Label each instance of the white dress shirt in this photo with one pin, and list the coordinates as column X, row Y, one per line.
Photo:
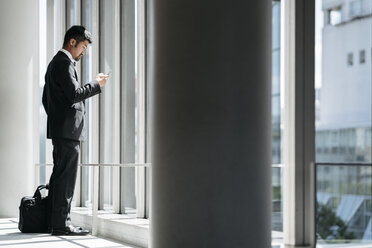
column 69, row 56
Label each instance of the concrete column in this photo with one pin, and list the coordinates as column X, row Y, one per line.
column 210, row 69
column 19, row 101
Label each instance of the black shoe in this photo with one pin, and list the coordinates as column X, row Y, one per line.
column 69, row 231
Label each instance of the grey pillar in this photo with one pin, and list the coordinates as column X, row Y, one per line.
column 19, row 102
column 210, row 67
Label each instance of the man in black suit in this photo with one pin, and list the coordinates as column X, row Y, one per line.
column 63, row 100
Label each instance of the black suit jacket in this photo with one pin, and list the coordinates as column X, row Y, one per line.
column 63, row 99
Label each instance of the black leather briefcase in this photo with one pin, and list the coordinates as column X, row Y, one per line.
column 33, row 213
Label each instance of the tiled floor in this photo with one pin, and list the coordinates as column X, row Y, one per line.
column 11, row 237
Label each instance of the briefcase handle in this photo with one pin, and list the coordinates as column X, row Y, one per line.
column 37, row 194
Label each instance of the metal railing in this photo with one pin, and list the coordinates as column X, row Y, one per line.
column 342, row 164
column 95, row 183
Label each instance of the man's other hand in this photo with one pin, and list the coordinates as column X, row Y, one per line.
column 102, row 79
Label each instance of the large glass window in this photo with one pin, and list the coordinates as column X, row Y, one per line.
column 129, row 109
column 277, row 170
column 73, row 14
column 276, row 107
column 73, row 18
column 343, row 122
column 87, row 76
column 113, row 117
column 109, row 102
column 52, row 26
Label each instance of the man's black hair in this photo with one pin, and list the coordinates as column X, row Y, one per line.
column 79, row 33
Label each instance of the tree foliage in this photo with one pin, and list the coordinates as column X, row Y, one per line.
column 330, row 226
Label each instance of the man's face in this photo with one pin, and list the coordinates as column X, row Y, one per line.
column 78, row 50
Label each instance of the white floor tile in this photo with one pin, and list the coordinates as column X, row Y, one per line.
column 11, row 237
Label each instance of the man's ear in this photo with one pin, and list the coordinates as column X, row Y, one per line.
column 73, row 42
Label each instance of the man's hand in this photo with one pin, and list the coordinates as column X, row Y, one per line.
column 102, row 79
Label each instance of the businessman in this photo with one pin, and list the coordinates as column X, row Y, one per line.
column 63, row 100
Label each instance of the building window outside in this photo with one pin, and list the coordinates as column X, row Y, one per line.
column 362, row 56
column 355, row 8
column 350, row 59
column 335, row 16
column 360, row 8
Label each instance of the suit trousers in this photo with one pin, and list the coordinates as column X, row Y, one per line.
column 62, row 181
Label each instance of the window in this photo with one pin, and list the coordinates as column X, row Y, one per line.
column 87, row 76
column 362, row 56
column 109, row 106
column 355, row 8
column 360, row 8
column 129, row 96
column 277, row 170
column 112, row 118
column 343, row 126
column 350, row 59
column 73, row 18
column 335, row 16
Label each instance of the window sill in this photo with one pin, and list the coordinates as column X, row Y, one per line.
column 121, row 227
